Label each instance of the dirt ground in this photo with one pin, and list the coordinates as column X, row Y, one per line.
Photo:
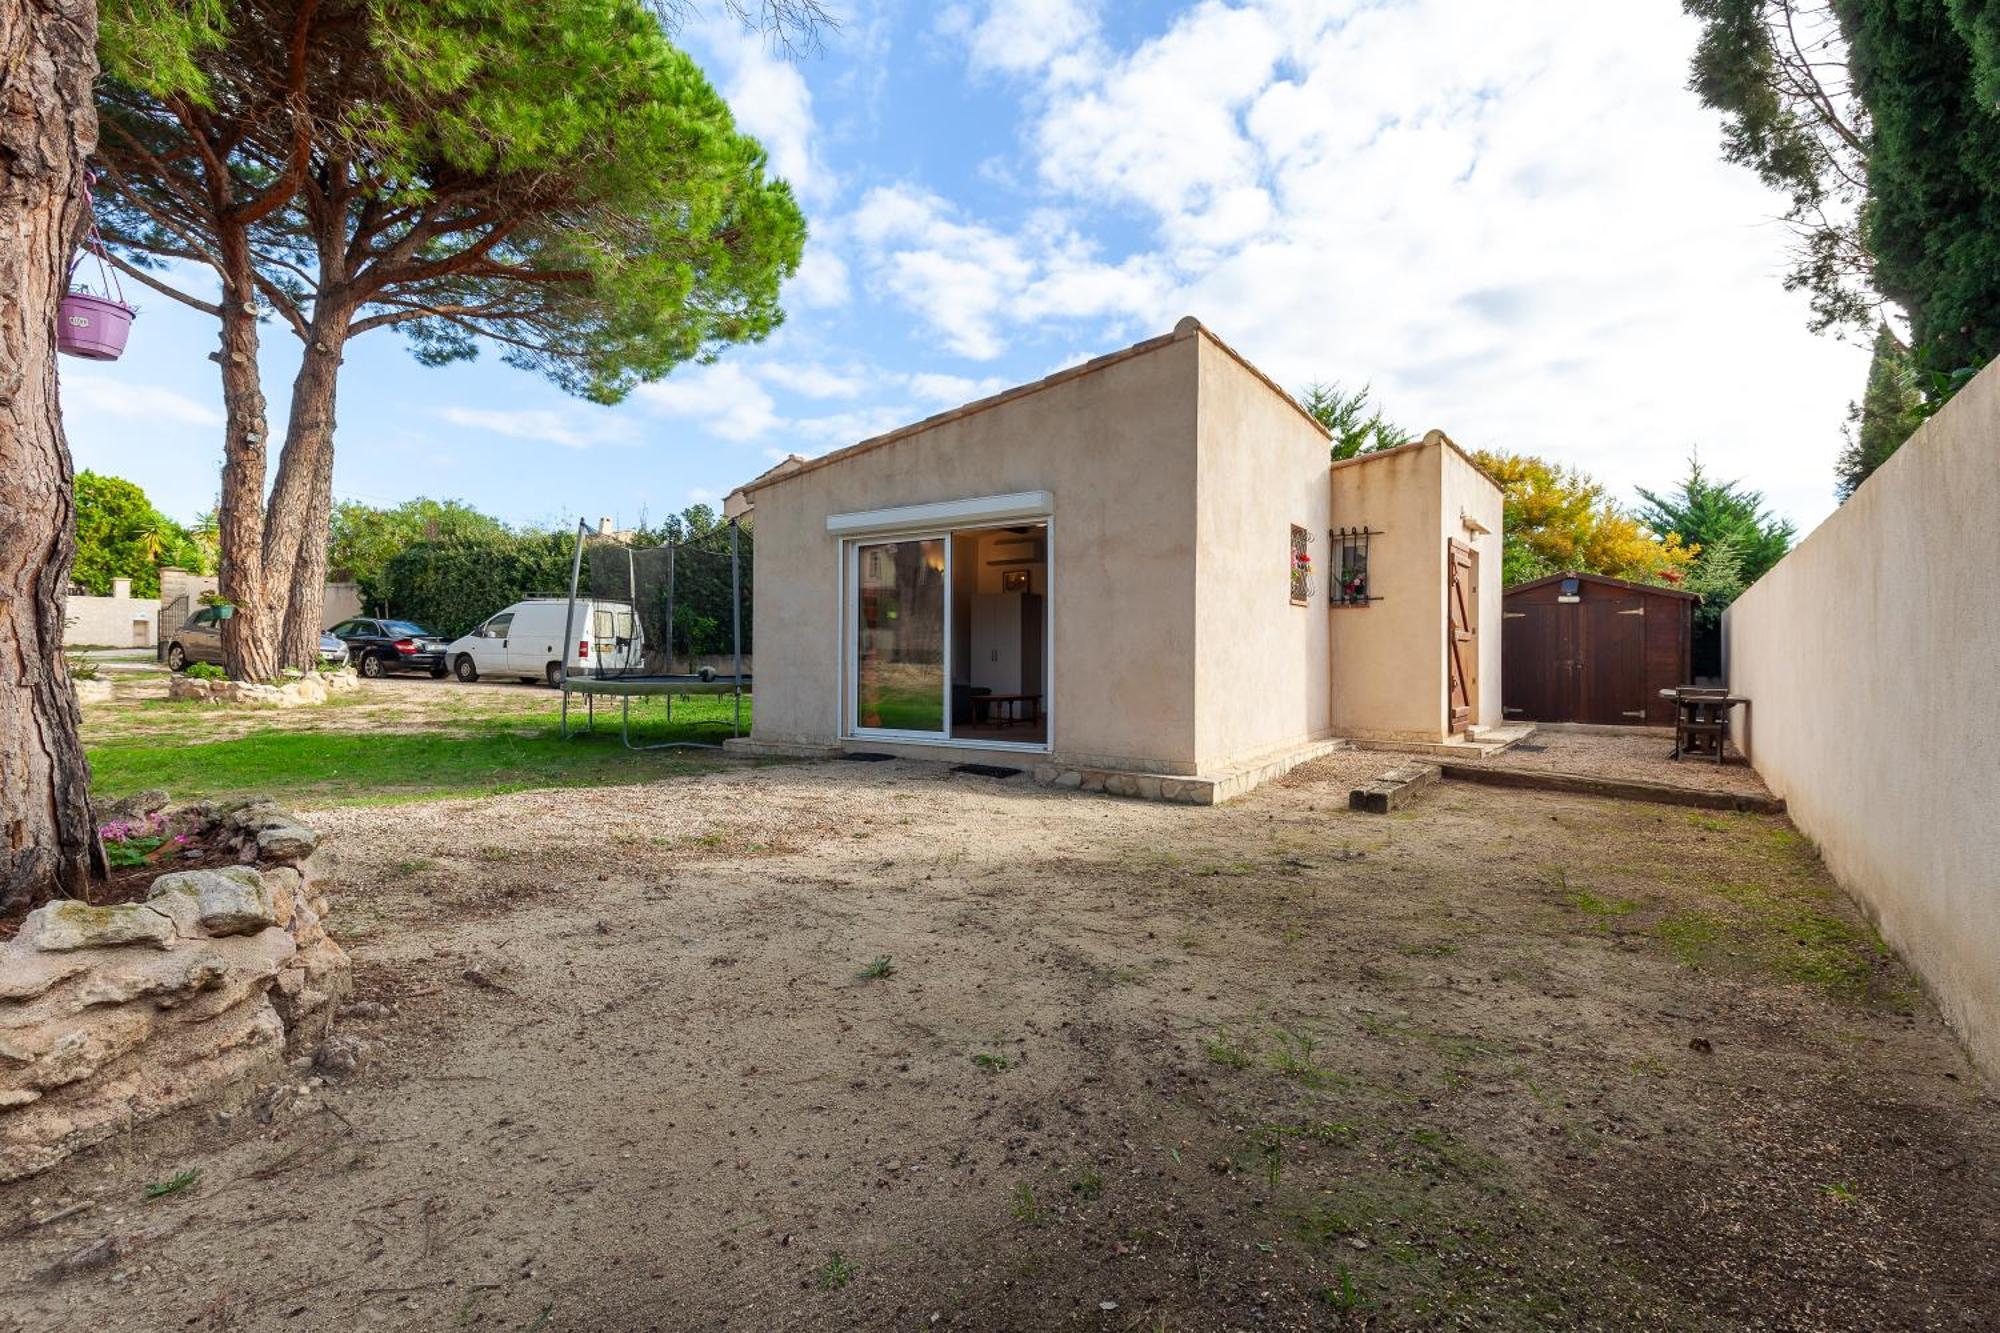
column 1506, row 1059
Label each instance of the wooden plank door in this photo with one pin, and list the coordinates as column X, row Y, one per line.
column 1461, row 639
column 1611, row 659
column 1537, row 653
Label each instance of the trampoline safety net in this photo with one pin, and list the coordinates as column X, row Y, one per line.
column 648, row 610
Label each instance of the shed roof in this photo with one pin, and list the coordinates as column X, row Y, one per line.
column 1605, row 579
column 1188, row 327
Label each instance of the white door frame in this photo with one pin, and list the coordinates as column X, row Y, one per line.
column 850, row 617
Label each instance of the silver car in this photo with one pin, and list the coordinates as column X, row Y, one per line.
column 200, row 640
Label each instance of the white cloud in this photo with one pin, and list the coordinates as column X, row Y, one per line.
column 771, row 101
column 953, row 390
column 817, row 434
column 822, row 277
column 103, row 396
column 723, row 396
column 1520, row 232
column 813, row 380
column 1020, row 36
column 968, row 280
column 571, row 430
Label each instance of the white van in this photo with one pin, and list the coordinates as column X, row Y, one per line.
column 526, row 640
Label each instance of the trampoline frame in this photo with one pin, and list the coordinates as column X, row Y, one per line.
column 627, row 688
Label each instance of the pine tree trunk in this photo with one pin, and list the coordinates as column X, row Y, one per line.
column 302, row 500
column 250, row 636
column 48, row 125
column 306, row 606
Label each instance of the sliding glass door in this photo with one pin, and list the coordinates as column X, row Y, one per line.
column 899, row 629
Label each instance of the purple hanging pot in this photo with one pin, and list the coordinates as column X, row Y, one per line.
column 93, row 327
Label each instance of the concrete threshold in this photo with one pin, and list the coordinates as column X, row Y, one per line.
column 1481, row 742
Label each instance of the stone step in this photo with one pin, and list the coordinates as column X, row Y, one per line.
column 1394, row 789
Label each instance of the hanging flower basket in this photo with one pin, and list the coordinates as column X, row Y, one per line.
column 88, row 324
column 93, row 327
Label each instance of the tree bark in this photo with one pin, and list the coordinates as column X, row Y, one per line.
column 302, row 500
column 306, row 607
column 48, row 125
column 250, row 636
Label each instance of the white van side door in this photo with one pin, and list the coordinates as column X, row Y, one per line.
column 489, row 644
column 536, row 639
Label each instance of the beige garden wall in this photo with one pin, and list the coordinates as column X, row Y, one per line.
column 1116, row 448
column 118, row 621
column 1261, row 663
column 1869, row 655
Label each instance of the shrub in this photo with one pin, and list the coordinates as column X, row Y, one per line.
column 205, row 671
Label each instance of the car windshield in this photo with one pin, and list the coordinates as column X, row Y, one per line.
column 405, row 629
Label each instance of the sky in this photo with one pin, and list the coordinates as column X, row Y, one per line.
column 1519, row 232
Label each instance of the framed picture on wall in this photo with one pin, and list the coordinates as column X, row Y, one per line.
column 1013, row 580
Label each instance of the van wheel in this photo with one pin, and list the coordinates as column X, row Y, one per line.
column 177, row 658
column 371, row 666
column 464, row 669
column 554, row 675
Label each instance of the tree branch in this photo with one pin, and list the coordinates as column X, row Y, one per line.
column 141, row 275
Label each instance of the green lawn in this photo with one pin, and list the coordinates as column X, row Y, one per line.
column 312, row 764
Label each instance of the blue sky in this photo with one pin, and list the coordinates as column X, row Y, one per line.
column 1518, row 231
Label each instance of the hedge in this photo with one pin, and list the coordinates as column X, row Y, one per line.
column 451, row 587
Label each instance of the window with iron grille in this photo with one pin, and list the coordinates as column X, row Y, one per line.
column 1349, row 584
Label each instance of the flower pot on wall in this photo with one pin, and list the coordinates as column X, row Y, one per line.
column 93, row 327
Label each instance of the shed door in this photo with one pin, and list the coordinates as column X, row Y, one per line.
column 1611, row 658
column 1538, row 661
column 1462, row 633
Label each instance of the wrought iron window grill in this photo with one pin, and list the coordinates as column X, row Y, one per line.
column 1348, row 585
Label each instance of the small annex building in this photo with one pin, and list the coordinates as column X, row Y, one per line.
column 1589, row 648
column 1142, row 574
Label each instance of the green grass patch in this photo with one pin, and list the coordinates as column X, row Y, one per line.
column 477, row 757
column 173, row 1184
column 837, row 1272
column 1791, row 934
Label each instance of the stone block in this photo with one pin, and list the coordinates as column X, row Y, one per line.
column 231, row 901
column 69, row 924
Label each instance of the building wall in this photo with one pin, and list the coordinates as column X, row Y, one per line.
column 1116, row 448
column 1868, row 655
column 1390, row 676
column 1261, row 663
column 118, row 621
column 1387, row 655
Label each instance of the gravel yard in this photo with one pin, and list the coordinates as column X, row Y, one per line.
column 867, row 1046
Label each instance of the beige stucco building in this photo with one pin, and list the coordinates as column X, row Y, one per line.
column 1141, row 573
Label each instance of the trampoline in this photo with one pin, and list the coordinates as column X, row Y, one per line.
column 623, row 618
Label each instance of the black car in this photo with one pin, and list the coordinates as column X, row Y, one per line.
column 376, row 646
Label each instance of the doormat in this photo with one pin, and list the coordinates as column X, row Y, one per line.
column 867, row 757
column 985, row 770
column 1522, row 747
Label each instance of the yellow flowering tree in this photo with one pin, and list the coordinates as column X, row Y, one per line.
column 1560, row 518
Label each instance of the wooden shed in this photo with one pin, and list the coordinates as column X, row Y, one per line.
column 1587, row 648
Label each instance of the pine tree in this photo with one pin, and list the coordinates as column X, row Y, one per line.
column 1890, row 410
column 550, row 177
